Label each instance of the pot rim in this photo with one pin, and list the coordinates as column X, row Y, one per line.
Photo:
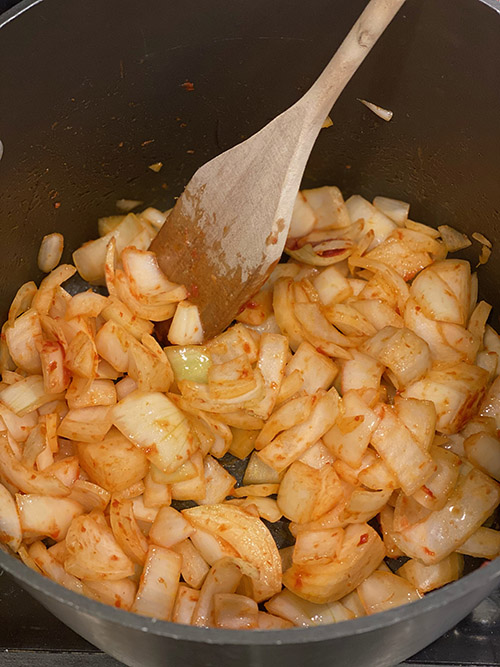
column 487, row 576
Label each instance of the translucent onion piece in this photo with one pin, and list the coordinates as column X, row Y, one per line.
column 385, row 114
column 94, row 553
column 42, row 557
column 119, row 594
column 169, row 528
column 406, row 355
column 185, row 602
column 26, row 395
column 484, row 255
column 86, row 424
column 50, row 252
column 373, row 219
column 249, row 537
column 224, row 577
column 89, row 259
column 442, row 532
column 43, row 516
column 303, row 218
column 384, row 590
column 426, row 578
column 456, row 393
column 477, row 236
column 22, row 301
column 453, row 239
column 325, row 254
column 151, row 421
column 118, row 312
column 56, row 376
column 145, row 279
column 10, row 525
column 186, row 327
column 290, row 444
column 400, row 451
column 26, row 479
column 361, row 553
column 88, row 304
column 42, row 300
column 114, row 463
column 327, row 204
column 307, row 493
column 218, row 482
column 127, row 531
column 393, row 208
column 351, row 434
column 127, row 204
column 157, row 312
column 23, row 337
column 484, row 543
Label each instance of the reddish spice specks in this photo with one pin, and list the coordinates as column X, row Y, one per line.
column 363, row 539
column 428, row 491
column 188, row 85
column 52, row 366
column 194, row 290
column 114, row 557
column 429, row 552
column 57, row 204
column 298, row 579
column 331, row 253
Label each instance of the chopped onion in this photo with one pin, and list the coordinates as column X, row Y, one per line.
column 146, row 281
column 324, row 254
column 43, row 516
column 385, row 114
column 393, row 208
column 477, row 236
column 27, row 395
column 10, row 525
column 159, row 583
column 361, row 553
column 127, row 205
column 151, row 421
column 453, row 239
column 256, row 547
column 89, row 259
column 94, row 553
column 186, row 327
column 22, row 301
column 484, row 255
column 51, row 249
column 24, row 337
column 155, row 217
column 114, row 463
column 190, row 362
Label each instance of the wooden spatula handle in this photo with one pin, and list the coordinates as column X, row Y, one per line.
column 365, row 32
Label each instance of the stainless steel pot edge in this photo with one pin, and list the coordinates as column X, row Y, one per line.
column 488, row 576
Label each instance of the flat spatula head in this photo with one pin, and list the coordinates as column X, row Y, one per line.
column 227, row 231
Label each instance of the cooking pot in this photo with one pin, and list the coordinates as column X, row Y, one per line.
column 91, row 93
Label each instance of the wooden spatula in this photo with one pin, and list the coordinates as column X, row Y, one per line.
column 229, row 227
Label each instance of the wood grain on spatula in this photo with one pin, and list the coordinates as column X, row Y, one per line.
column 229, row 227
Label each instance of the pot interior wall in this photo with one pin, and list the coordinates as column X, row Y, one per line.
column 91, row 94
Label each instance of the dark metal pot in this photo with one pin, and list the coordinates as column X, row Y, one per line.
column 91, row 94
